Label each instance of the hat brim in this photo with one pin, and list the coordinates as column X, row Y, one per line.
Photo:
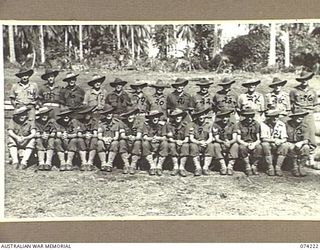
column 44, row 112
column 247, row 113
column 154, row 115
column 65, row 113
column 69, row 78
column 251, row 83
column 107, row 111
column 183, row 113
column 226, row 83
column 299, row 114
column 87, row 110
column 143, row 85
column 225, row 113
column 281, row 83
column 305, row 78
column 25, row 73
column 47, row 75
column 101, row 80
column 22, row 112
column 178, row 84
column 204, row 84
column 132, row 112
column 200, row 113
column 159, row 86
column 113, row 84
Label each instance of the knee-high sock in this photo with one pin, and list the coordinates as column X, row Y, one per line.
column 175, row 162
column 125, row 158
column 134, row 161
column 92, row 154
column 183, row 161
column 111, row 157
column 70, row 157
column 207, row 162
column 26, row 156
column 150, row 160
column 102, row 157
column 160, row 162
column 41, row 155
column 61, row 158
column 14, row 154
column 50, row 153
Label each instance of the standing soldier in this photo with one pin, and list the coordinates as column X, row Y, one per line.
column 200, row 132
column 179, row 99
column 252, row 99
column 118, row 99
column 273, row 138
column 140, row 99
column 225, row 146
column 108, row 134
column 277, row 99
column 45, row 137
column 178, row 137
column 203, row 99
column 158, row 100
column 130, row 140
column 24, row 92
column 72, row 95
column 96, row 96
column 305, row 97
column 154, row 142
column 49, row 92
column 226, row 98
column 87, row 137
column 300, row 141
column 21, row 132
column 66, row 142
column 248, row 138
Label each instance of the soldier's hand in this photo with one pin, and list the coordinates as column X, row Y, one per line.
column 88, row 135
column 227, row 144
column 154, row 140
column 52, row 134
column 64, row 135
column 299, row 144
column 38, row 135
column 251, row 146
column 179, row 142
column 59, row 134
column 107, row 140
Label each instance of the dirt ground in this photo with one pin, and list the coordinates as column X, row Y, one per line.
column 32, row 194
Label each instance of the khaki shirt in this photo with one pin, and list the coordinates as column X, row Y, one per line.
column 24, row 94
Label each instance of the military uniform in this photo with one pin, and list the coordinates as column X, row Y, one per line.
column 254, row 101
column 50, row 97
column 21, row 136
column 141, row 101
column 181, row 101
column 159, row 102
column 72, row 97
column 279, row 102
column 120, row 102
column 160, row 147
column 45, row 142
column 278, row 132
column 108, row 130
column 96, row 98
column 225, row 100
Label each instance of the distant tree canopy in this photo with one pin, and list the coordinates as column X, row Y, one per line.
column 250, row 52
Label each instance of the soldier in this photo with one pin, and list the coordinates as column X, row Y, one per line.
column 130, row 140
column 158, row 100
column 45, row 137
column 305, row 97
column 252, row 99
column 154, row 142
column 24, row 92
column 277, row 99
column 179, row 99
column 49, row 92
column 178, row 137
column 203, row 99
column 66, row 141
column 248, row 138
column 96, row 96
column 108, row 134
column 119, row 99
column 200, row 133
column 72, row 95
column 140, row 99
column 273, row 137
column 87, row 137
column 225, row 147
column 300, row 141
column 21, row 132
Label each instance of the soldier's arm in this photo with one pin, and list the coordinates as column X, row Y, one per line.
column 32, row 134
column 217, row 138
column 116, row 136
column 292, row 99
column 234, row 138
column 13, row 134
column 210, row 138
column 169, row 105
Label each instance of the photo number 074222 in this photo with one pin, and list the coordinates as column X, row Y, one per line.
column 214, row 120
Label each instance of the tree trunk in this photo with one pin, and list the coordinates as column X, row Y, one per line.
column 43, row 58
column 311, row 27
column 216, row 40
column 118, row 37
column 80, row 43
column 12, row 53
column 66, row 39
column 272, row 51
column 286, row 48
column 132, row 42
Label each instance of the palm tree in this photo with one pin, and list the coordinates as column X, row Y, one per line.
column 12, row 53
column 118, row 37
column 272, row 51
column 80, row 43
column 41, row 38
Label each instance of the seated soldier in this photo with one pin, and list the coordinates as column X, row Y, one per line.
column 154, row 142
column 108, row 134
column 130, row 140
column 273, row 138
column 87, row 137
column 45, row 137
column 300, row 141
column 21, row 132
column 225, row 146
column 200, row 132
column 248, row 138
column 66, row 141
column 178, row 138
